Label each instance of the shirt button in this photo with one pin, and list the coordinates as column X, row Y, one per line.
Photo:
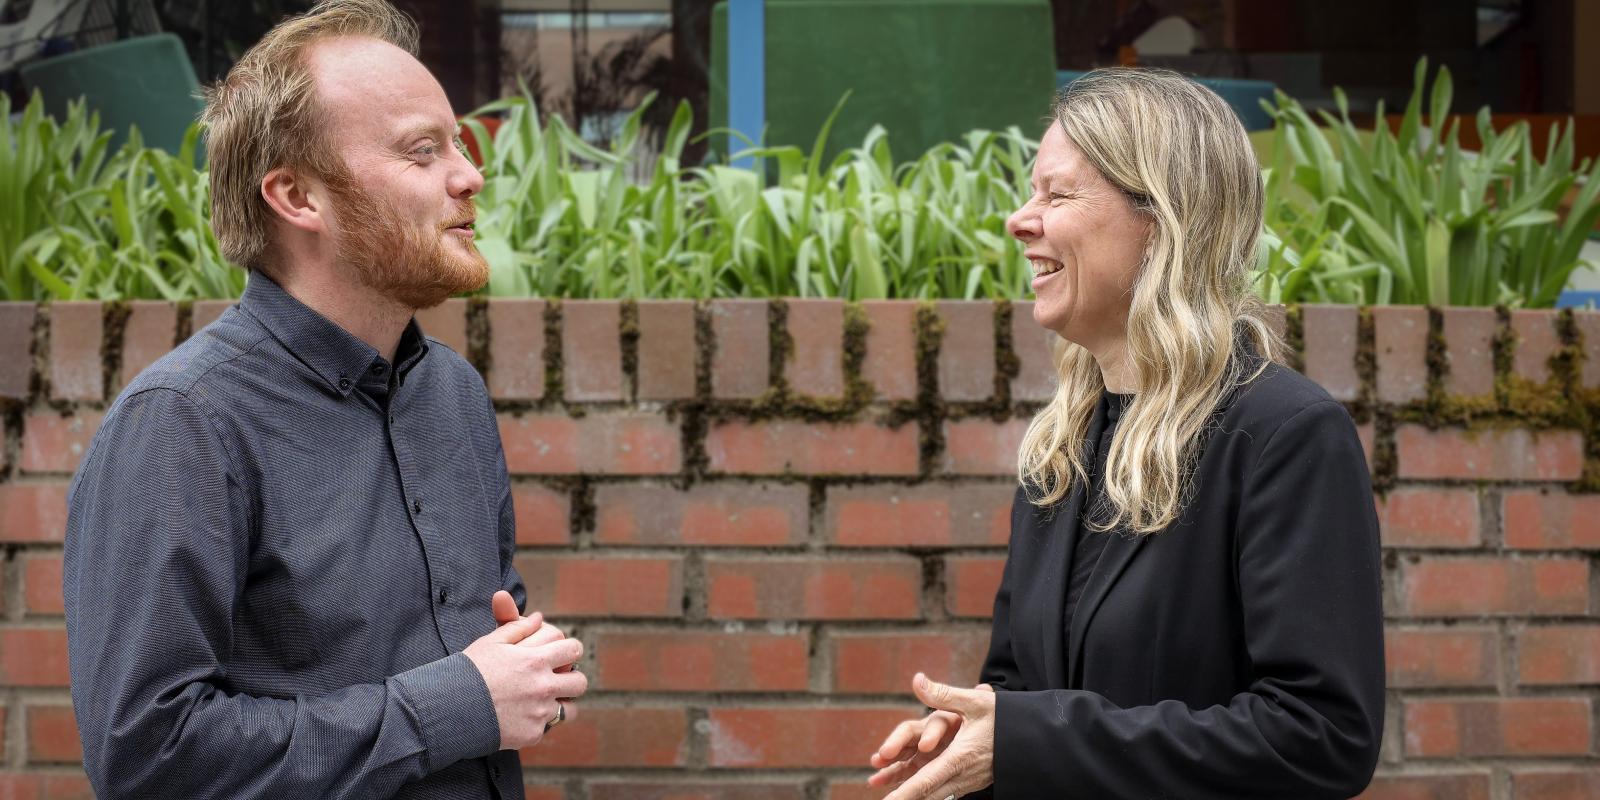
column 344, row 384
column 416, row 506
column 377, row 369
column 391, row 419
column 444, row 594
column 494, row 771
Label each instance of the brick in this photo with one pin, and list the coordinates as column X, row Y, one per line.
column 791, row 447
column 970, row 584
column 1588, row 323
column 1516, row 454
column 1469, row 350
column 666, row 350
column 1400, row 339
column 889, row 587
column 516, row 348
column 1456, row 587
column 1555, row 783
column 1034, row 346
column 714, row 514
column 927, row 515
column 1429, row 517
column 52, row 442
column 44, row 786
column 1558, row 654
column 981, row 446
column 543, row 515
column 205, row 312
column 615, row 737
column 33, row 657
column 446, row 322
column 789, row 737
column 890, row 363
column 1367, row 433
column 883, row 663
column 1428, row 786
column 1537, row 519
column 76, row 368
column 53, row 735
column 150, row 333
column 618, row 586
column 1497, row 727
column 33, row 512
column 854, row 790
column 1331, row 334
column 620, row 443
column 678, row 790
column 1537, row 341
column 741, row 368
column 815, row 366
column 591, row 350
column 1442, row 657
column 41, row 583
column 966, row 352
column 16, row 349
column 699, row 661
column 544, row 791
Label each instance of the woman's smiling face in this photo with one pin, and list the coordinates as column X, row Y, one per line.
column 1085, row 241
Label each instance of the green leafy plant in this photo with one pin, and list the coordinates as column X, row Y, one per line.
column 76, row 224
column 562, row 217
column 1352, row 216
column 1358, row 216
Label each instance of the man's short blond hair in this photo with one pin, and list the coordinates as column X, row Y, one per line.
column 265, row 115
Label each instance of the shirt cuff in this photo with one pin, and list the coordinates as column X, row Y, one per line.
column 453, row 710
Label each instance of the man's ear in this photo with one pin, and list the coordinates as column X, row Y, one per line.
column 298, row 200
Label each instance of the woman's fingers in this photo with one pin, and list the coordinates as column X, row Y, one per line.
column 900, row 739
column 898, row 771
column 940, row 725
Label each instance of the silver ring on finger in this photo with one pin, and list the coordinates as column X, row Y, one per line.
column 560, row 717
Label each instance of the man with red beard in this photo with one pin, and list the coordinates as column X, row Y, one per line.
column 289, row 547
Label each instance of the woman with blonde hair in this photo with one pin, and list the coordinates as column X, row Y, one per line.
column 1191, row 604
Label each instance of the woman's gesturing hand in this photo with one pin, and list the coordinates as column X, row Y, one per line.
column 949, row 752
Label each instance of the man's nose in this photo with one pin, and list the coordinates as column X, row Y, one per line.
column 466, row 181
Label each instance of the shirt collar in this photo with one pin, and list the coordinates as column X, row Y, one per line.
column 337, row 356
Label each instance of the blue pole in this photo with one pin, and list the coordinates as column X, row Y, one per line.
column 747, row 73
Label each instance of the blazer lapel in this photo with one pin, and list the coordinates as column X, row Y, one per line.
column 1063, row 540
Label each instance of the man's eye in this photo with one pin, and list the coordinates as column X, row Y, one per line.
column 427, row 150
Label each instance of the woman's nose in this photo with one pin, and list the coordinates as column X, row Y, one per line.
column 1023, row 224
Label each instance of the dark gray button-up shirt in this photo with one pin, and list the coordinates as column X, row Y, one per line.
column 277, row 547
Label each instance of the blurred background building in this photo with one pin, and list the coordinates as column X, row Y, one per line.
column 594, row 60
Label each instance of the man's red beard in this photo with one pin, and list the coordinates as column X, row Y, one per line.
column 403, row 261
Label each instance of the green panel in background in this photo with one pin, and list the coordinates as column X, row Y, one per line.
column 147, row 81
column 927, row 70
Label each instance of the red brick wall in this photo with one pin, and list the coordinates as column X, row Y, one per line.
column 763, row 518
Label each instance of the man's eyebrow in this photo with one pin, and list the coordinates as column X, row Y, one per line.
column 428, row 129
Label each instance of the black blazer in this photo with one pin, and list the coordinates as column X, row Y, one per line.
column 1236, row 654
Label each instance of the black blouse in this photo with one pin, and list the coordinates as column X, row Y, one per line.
column 1092, row 542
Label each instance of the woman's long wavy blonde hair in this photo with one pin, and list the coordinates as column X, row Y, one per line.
column 1179, row 151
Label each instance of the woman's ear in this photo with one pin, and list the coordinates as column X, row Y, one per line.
column 296, row 199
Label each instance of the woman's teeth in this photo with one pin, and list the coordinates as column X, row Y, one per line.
column 1043, row 266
